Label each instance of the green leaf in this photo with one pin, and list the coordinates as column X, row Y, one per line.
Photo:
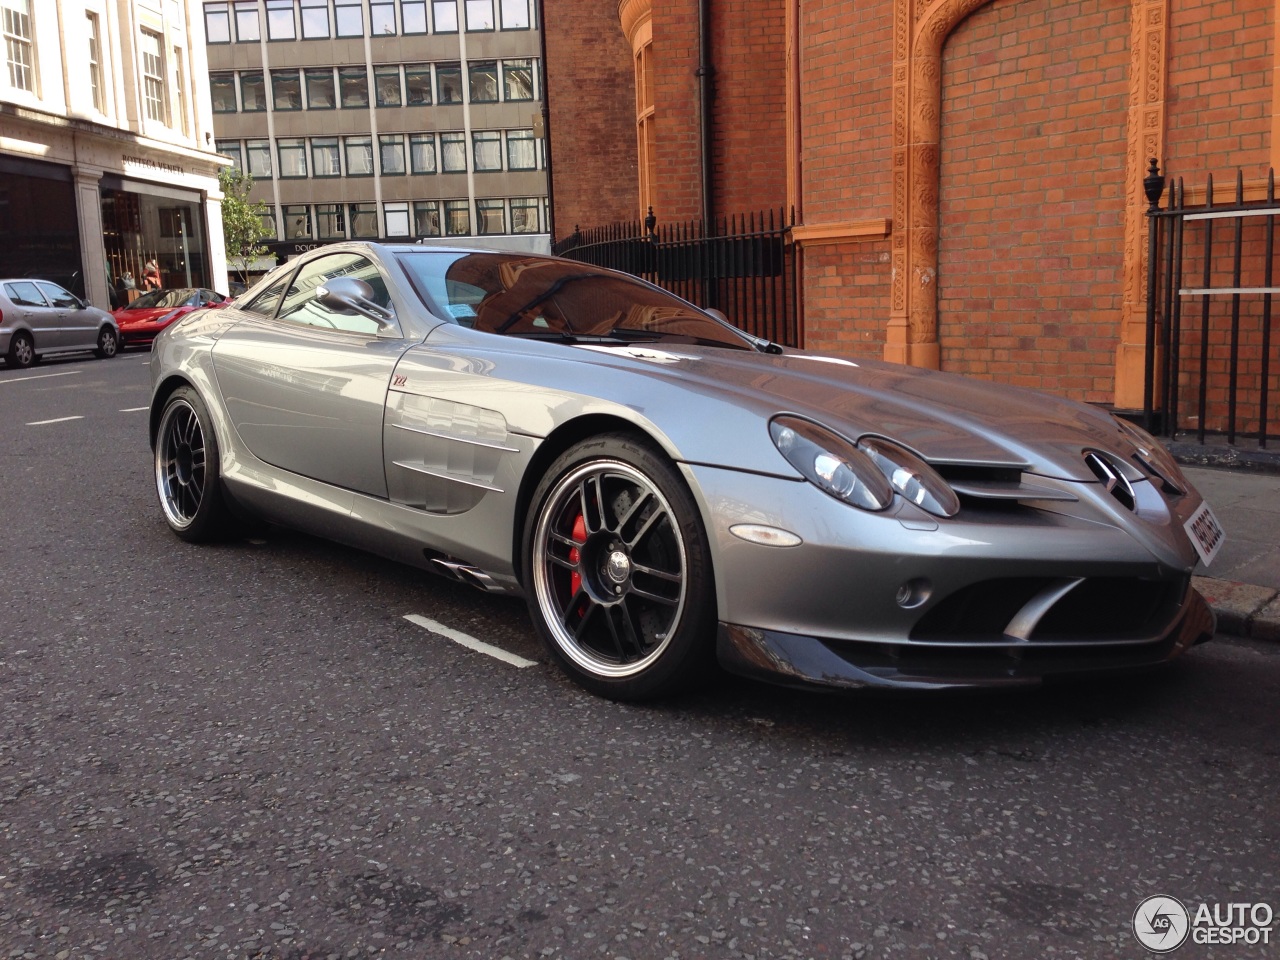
column 242, row 226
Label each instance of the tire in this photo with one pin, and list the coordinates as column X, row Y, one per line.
column 108, row 344
column 188, row 478
column 618, row 571
column 22, row 350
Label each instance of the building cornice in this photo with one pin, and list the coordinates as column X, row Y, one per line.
column 634, row 14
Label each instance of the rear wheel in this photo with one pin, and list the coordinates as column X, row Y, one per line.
column 108, row 343
column 22, row 350
column 619, row 570
column 187, row 473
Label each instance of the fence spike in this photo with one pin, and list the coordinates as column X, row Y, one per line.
column 1239, row 186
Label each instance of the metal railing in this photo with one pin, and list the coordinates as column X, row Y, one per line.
column 743, row 265
column 1209, row 313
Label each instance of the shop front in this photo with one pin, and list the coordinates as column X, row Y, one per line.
column 38, row 223
column 152, row 235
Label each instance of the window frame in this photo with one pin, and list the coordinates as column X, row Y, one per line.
column 241, row 8
column 293, row 145
column 528, row 64
column 418, row 70
column 451, row 68
column 468, row 5
column 347, row 5
column 365, row 208
column 418, row 139
column 350, row 73
column 238, row 155
column 455, row 206
column 457, row 138
column 20, row 37
column 291, row 210
column 395, row 20
column 398, row 207
column 262, row 148
column 315, row 73
column 246, row 76
column 482, row 69
column 436, row 7
column 502, row 14
column 526, row 203
column 521, row 136
column 383, row 72
column 393, row 141
column 489, row 205
column 427, row 207
column 358, row 142
column 313, row 5
column 488, row 137
column 426, row 21
column 214, row 10
column 325, row 143
column 230, row 81
column 155, row 82
column 276, row 6
column 286, row 72
column 339, row 214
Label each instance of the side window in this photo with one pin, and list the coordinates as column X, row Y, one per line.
column 58, row 297
column 24, row 293
column 266, row 302
column 302, row 306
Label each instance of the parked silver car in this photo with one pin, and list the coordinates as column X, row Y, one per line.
column 665, row 490
column 39, row 318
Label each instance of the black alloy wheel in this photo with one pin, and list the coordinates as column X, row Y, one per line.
column 186, row 467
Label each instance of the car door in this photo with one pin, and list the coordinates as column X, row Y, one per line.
column 38, row 314
column 306, row 385
column 77, row 322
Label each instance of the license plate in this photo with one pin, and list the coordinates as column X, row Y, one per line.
column 1206, row 533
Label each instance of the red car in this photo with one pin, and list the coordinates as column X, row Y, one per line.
column 141, row 320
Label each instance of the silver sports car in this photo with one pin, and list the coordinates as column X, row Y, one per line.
column 666, row 491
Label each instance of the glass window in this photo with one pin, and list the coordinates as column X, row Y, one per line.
column 488, row 149
column 247, row 26
column 301, row 306
column 19, row 51
column 324, row 157
column 259, row 154
column 315, row 19
column 517, row 79
column 280, row 25
column 457, row 218
column 222, row 90
column 391, row 153
column 397, row 217
column 413, row 16
column 479, row 14
column 522, row 153
column 515, row 14
column 382, row 18
column 253, row 92
column 286, row 90
column 445, row 15
column 180, row 93
column 293, row 157
column 364, row 221
column 524, row 215
column 422, row 153
column 24, row 293
column 417, row 84
column 449, row 82
column 386, row 81
column 331, row 222
column 268, row 221
column 426, row 218
column 359, row 151
column 490, row 218
column 320, row 95
column 231, row 148
column 153, row 77
column 265, row 303
column 453, row 147
column 348, row 18
column 217, row 23
column 484, row 82
column 95, row 61
column 297, row 222
column 354, row 86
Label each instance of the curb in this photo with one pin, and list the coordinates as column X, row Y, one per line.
column 1242, row 609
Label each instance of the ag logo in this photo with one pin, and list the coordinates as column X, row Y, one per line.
column 1161, row 924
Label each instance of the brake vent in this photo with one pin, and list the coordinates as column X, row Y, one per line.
column 1110, row 474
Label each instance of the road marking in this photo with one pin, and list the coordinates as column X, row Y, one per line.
column 41, row 376
column 41, row 423
column 471, row 643
column 134, row 409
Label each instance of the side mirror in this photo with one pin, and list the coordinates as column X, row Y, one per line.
column 718, row 314
column 348, row 295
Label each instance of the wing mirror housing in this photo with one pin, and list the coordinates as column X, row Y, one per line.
column 349, row 295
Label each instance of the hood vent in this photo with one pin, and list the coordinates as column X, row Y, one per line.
column 1110, row 474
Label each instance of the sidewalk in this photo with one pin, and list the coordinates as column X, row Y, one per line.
column 1243, row 585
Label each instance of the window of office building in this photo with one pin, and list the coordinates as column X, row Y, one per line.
column 522, row 152
column 359, row 153
column 231, row 148
column 247, row 26
column 324, row 157
column 422, row 153
column 413, row 16
column 280, row 24
column 453, row 152
column 517, row 79
column 444, row 14
column 488, row 149
column 426, row 218
column 524, row 215
column 386, row 81
column 293, row 157
column 153, row 77
column 515, row 14
column 354, row 87
column 397, row 217
column 479, row 14
column 364, row 221
column 297, row 222
column 217, row 23
column 417, row 84
column 484, row 81
column 489, row 217
column 348, row 18
column 457, row 218
column 253, row 92
column 222, row 90
column 258, row 153
column 391, row 153
column 95, row 62
column 449, row 82
column 331, row 222
column 382, row 18
column 315, row 19
column 320, row 90
column 286, row 90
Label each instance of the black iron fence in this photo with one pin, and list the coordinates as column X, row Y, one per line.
column 1210, row 277
column 743, row 265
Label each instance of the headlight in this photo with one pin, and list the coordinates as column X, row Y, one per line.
column 1153, row 457
column 912, row 477
column 831, row 463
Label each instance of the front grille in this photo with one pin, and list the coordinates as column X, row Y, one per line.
column 1110, row 474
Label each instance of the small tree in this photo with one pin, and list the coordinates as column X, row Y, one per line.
column 242, row 226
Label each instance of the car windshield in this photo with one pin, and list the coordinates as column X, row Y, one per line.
column 177, row 297
column 542, row 298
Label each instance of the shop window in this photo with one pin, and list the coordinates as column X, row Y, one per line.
column 382, row 18
column 359, row 153
column 293, row 157
column 397, row 217
column 320, row 90
column 426, row 218
column 522, row 152
column 231, row 148
column 422, row 153
column 515, row 14
column 449, row 82
column 280, row 23
column 517, row 79
column 484, row 82
column 453, row 149
column 315, row 19
column 457, row 218
column 354, row 87
column 417, row 84
column 524, row 215
column 364, row 221
column 324, row 157
column 413, row 16
column 153, row 87
column 490, row 218
column 488, row 149
column 444, row 14
column 297, row 222
column 331, row 222
column 479, row 15
column 386, row 81
column 222, row 91
column 140, row 226
column 286, row 90
column 391, row 154
column 253, row 93
column 348, row 18
column 217, row 23
column 258, row 153
column 247, row 26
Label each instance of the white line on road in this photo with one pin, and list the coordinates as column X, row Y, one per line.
column 471, row 643
column 41, row 376
column 134, row 409
column 41, row 423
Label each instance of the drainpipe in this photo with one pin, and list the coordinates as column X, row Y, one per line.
column 705, row 76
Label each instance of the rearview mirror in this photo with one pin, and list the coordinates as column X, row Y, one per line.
column 349, row 295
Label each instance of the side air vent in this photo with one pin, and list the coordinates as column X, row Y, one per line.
column 1111, row 475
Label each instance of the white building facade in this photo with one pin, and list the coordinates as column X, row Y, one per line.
column 107, row 154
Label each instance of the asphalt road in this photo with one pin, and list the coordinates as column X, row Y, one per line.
column 247, row 751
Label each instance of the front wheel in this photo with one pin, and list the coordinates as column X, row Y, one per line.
column 188, row 479
column 108, row 343
column 619, row 570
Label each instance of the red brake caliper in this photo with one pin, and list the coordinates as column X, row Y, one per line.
column 579, row 534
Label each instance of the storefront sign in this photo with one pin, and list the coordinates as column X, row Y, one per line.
column 151, row 165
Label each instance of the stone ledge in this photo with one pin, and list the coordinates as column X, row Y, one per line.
column 1242, row 609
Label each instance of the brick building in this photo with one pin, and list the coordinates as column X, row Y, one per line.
column 967, row 175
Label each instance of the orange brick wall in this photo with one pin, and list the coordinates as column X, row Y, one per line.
column 1032, row 218
column 846, row 288
column 587, row 51
column 677, row 188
